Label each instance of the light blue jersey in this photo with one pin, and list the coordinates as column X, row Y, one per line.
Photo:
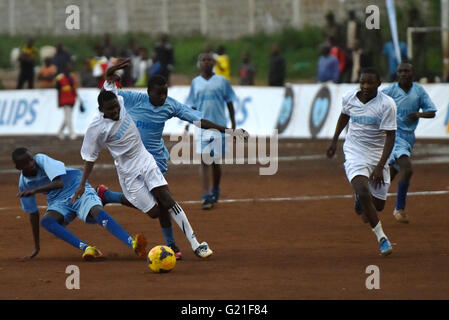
column 150, row 121
column 414, row 100
column 59, row 199
column 210, row 97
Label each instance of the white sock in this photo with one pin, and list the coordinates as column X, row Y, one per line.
column 379, row 232
column 181, row 220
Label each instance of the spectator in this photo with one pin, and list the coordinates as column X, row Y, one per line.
column 27, row 60
column 61, row 58
column 393, row 63
column 108, row 48
column 165, row 55
column 331, row 28
column 327, row 66
column 353, row 28
column 47, row 74
column 66, row 86
column 358, row 62
column 247, row 70
column 371, row 42
column 102, row 61
column 142, row 69
column 276, row 74
column 340, row 54
column 87, row 78
column 222, row 63
column 155, row 68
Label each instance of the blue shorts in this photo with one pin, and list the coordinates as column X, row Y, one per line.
column 403, row 146
column 80, row 207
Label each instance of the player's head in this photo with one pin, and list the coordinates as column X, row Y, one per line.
column 207, row 62
column 369, row 82
column 109, row 105
column 157, row 90
column 24, row 161
column 405, row 73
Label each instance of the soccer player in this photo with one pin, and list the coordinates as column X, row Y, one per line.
column 410, row 98
column 210, row 92
column 372, row 124
column 150, row 112
column 142, row 182
column 42, row 174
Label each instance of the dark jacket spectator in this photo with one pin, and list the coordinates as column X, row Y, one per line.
column 61, row 58
column 165, row 55
column 276, row 75
column 247, row 71
column 327, row 66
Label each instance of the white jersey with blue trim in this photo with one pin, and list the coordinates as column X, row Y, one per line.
column 368, row 122
column 150, row 121
column 123, row 141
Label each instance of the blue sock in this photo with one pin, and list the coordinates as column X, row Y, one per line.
column 105, row 220
column 215, row 193
column 168, row 235
column 402, row 195
column 112, row 196
column 61, row 232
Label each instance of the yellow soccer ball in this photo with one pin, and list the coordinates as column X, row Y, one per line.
column 161, row 259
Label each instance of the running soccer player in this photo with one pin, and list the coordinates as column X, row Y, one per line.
column 42, row 174
column 142, row 182
column 210, row 92
column 372, row 123
column 410, row 98
column 150, row 112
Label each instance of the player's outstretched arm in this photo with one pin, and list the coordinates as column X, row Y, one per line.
column 416, row 115
column 88, row 167
column 341, row 124
column 57, row 183
column 206, row 124
column 34, row 221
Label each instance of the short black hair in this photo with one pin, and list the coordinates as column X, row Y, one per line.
column 370, row 70
column 18, row 154
column 156, row 80
column 105, row 96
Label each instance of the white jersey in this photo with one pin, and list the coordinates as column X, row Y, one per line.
column 367, row 125
column 122, row 139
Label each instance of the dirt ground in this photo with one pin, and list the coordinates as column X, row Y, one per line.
column 274, row 243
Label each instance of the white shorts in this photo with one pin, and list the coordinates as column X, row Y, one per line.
column 138, row 189
column 354, row 169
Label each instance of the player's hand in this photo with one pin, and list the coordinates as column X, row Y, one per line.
column 26, row 193
column 31, row 255
column 414, row 116
column 377, row 177
column 120, row 64
column 331, row 150
column 241, row 134
column 78, row 193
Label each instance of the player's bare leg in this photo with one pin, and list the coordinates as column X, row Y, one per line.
column 369, row 204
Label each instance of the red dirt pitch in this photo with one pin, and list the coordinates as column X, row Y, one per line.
column 279, row 245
